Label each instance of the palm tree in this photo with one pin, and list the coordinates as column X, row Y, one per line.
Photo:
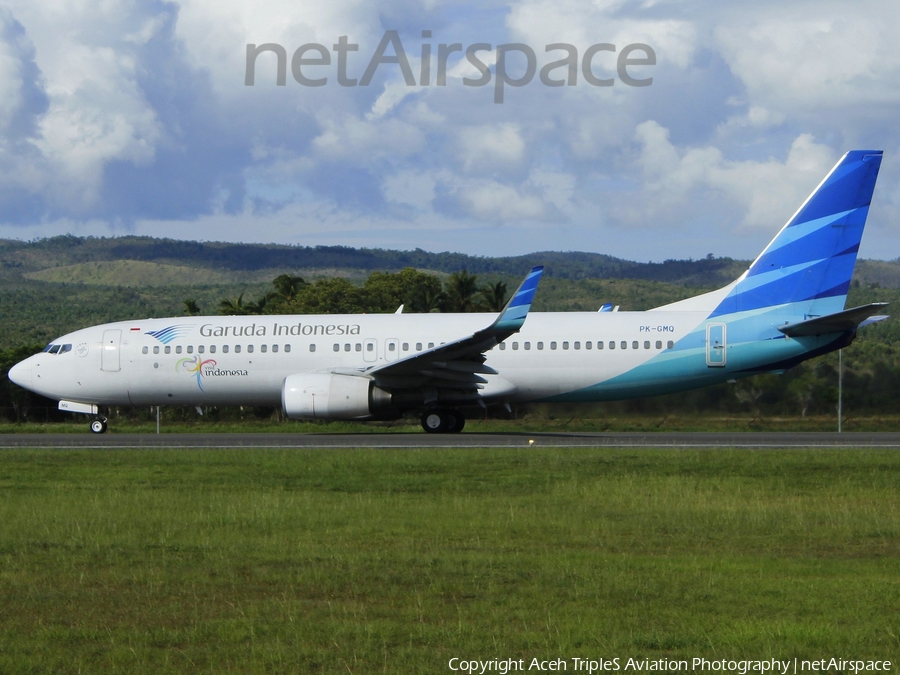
column 493, row 297
column 233, row 306
column 288, row 286
column 191, row 307
column 460, row 292
column 426, row 299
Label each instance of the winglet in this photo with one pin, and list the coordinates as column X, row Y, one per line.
column 513, row 315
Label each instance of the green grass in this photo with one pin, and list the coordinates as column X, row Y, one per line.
column 363, row 561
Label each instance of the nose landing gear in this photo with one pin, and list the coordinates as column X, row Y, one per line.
column 99, row 426
column 443, row 421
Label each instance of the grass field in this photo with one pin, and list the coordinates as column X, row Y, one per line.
column 363, row 561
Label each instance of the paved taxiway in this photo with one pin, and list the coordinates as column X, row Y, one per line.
column 464, row 440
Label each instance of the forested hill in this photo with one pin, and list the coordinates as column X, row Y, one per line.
column 19, row 258
column 235, row 262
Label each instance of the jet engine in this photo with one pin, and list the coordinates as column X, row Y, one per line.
column 330, row 396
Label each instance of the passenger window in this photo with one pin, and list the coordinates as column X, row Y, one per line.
column 430, row 345
column 540, row 345
column 646, row 344
column 336, row 347
column 599, row 344
column 576, row 345
column 406, row 346
column 264, row 348
column 527, row 346
column 565, row 344
column 515, row 345
column 312, row 347
column 190, row 349
column 370, row 346
column 274, row 349
column 418, row 346
column 670, row 345
column 224, row 349
column 249, row 349
column 588, row 344
column 237, row 349
column 201, row 349
column 392, row 347
column 287, row 348
column 359, row 346
column 168, row 349
column 553, row 344
column 145, row 350
column 156, row 349
column 212, row 349
column 635, row 344
column 659, row 344
column 612, row 344
column 502, row 346
column 623, row 344
column 177, row 349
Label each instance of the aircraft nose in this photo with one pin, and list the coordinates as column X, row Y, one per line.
column 21, row 374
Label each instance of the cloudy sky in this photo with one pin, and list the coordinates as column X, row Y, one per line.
column 133, row 116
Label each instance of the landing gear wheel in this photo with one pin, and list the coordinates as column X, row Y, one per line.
column 99, row 426
column 440, row 421
column 456, row 422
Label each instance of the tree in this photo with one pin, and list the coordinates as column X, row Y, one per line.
column 191, row 307
column 233, row 306
column 492, row 297
column 386, row 291
column 460, row 290
column 287, row 286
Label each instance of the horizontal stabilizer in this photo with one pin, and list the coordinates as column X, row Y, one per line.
column 848, row 320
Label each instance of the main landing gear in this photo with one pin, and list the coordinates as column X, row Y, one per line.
column 98, row 426
column 443, row 421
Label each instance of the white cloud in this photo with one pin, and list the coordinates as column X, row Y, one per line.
column 766, row 193
column 808, row 55
column 487, row 147
column 360, row 142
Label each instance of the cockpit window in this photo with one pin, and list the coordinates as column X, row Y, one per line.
column 57, row 349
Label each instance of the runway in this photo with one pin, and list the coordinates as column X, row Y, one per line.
column 449, row 441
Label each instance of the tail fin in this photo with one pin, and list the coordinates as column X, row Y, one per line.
column 811, row 259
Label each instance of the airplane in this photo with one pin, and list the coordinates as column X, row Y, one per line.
column 787, row 307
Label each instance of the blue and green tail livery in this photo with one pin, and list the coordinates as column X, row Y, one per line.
column 811, row 260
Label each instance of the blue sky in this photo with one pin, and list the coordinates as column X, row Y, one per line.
column 132, row 117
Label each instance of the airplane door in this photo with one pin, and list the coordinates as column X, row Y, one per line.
column 370, row 351
column 391, row 349
column 109, row 353
column 715, row 345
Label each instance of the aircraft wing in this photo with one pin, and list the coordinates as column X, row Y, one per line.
column 849, row 319
column 460, row 364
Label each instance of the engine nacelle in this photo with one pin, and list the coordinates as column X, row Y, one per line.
column 328, row 396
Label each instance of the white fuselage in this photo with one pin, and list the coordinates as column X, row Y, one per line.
column 243, row 360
